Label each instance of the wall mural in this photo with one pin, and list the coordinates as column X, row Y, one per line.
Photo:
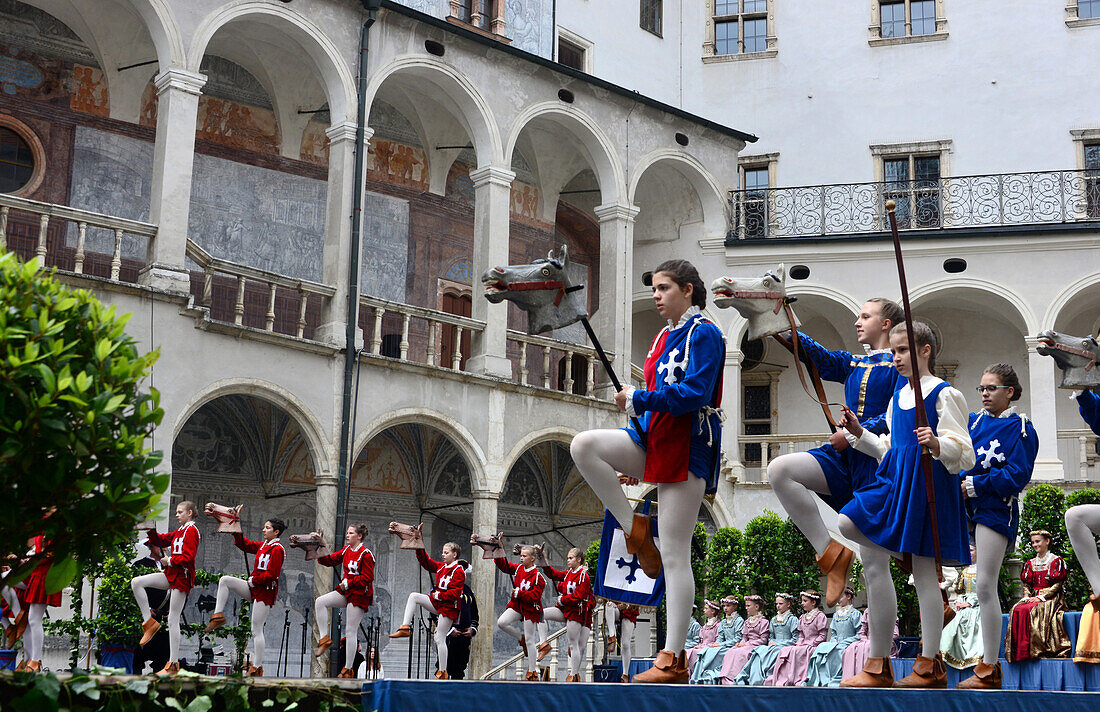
column 530, row 25
column 385, row 254
column 111, row 174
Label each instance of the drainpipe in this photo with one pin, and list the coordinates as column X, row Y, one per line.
column 351, row 355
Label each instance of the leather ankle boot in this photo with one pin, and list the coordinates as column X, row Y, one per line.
column 835, row 563
column 877, row 672
column 640, row 542
column 667, row 668
column 927, row 673
column 985, row 677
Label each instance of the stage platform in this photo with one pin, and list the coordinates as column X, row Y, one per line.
column 475, row 696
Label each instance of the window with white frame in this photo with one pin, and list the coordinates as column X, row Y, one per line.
column 574, row 51
column 739, row 29
column 901, row 21
column 1080, row 13
column 909, row 174
column 650, row 16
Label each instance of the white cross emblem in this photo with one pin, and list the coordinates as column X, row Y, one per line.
column 262, row 561
column 990, row 453
column 571, row 587
column 353, row 568
column 671, row 364
column 445, row 582
column 177, row 545
column 525, row 585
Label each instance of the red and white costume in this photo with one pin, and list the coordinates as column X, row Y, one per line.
column 36, row 582
column 527, row 587
column 264, row 581
column 358, row 567
column 181, row 547
column 446, row 595
column 575, row 590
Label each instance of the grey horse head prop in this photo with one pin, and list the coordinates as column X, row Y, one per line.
column 1076, row 356
column 758, row 299
column 543, row 289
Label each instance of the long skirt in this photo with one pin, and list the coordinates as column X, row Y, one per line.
column 1088, row 638
column 759, row 666
column 826, row 664
column 961, row 641
column 1036, row 630
column 708, row 665
column 792, row 666
column 734, row 663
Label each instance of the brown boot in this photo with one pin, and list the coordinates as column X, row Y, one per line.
column 544, row 650
column 877, row 672
column 346, row 674
column 532, row 676
column 523, row 644
column 20, row 623
column 835, row 563
column 33, row 666
column 609, row 644
column 571, row 678
column 403, row 631
column 10, row 634
column 927, row 673
column 172, row 669
column 640, row 542
column 667, row 668
column 322, row 645
column 442, row 675
column 624, row 678
column 985, row 677
column 948, row 613
column 254, row 671
column 216, row 621
column 149, row 628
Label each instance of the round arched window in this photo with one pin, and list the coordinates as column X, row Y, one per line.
column 16, row 161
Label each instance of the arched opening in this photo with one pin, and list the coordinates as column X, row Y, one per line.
column 1079, row 316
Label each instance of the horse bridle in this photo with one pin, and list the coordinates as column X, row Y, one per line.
column 1090, row 356
column 549, row 284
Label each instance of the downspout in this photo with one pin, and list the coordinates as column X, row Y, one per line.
column 351, row 355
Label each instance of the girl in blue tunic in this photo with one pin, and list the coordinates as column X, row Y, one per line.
column 781, row 633
column 1005, row 446
column 890, row 517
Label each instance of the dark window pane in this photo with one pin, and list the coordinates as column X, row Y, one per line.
column 756, row 32
column 1092, row 180
column 570, row 55
column 1092, row 157
column 16, row 161
column 924, row 16
column 725, row 7
column 1088, row 8
column 756, row 178
column 725, row 38
column 651, row 16
column 893, row 19
column 758, row 403
column 896, row 170
column 927, row 168
column 756, row 5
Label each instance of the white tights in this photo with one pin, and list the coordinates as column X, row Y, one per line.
column 575, row 633
column 600, row 455
column 353, row 615
column 1083, row 524
column 507, row 623
column 176, row 599
column 10, row 595
column 882, row 600
column 442, row 626
column 36, row 633
column 260, row 610
column 794, row 478
column 990, row 547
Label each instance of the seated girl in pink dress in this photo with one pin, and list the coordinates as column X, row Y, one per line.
column 855, row 655
column 754, row 633
column 708, row 634
column 793, row 663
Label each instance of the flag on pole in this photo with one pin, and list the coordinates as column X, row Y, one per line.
column 619, row 576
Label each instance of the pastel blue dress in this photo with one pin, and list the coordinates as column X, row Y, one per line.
column 708, row 666
column 694, row 632
column 782, row 630
column 827, row 661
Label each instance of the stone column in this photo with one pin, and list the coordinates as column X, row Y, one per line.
column 170, row 193
column 492, row 214
column 322, row 575
column 612, row 322
column 338, row 226
column 731, row 404
column 483, row 585
column 1042, row 386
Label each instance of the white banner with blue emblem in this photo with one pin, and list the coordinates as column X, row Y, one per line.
column 619, row 576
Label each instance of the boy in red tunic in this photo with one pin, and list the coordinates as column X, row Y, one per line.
column 262, row 587
column 354, row 593
column 574, row 608
column 444, row 600
column 177, row 577
column 34, row 600
column 525, row 604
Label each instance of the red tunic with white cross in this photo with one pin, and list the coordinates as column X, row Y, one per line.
column 35, row 591
column 575, row 588
column 264, row 581
column 527, row 587
column 181, row 547
column 446, row 595
column 358, row 566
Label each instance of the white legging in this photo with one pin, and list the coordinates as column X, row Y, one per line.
column 1083, row 524
column 990, row 547
column 260, row 610
column 507, row 623
column 353, row 615
column 794, row 477
column 442, row 626
column 176, row 599
column 10, row 595
column 600, row 455
column 36, row 633
column 882, row 599
column 575, row 633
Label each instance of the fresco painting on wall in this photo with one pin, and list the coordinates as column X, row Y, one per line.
column 398, row 163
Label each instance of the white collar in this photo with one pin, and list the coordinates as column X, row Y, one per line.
column 447, row 566
column 532, row 567
column 187, row 524
column 357, row 547
column 876, row 352
column 843, row 610
column 1007, row 412
column 1043, row 560
column 273, row 542
column 691, row 311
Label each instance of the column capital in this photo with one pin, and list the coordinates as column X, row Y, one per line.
column 492, row 175
column 181, row 79
column 325, row 479
column 345, row 131
column 485, row 494
column 734, row 357
column 616, row 211
column 1031, row 342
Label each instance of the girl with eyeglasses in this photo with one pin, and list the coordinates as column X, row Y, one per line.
column 1005, row 446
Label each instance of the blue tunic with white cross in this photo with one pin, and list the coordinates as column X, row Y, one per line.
column 1005, row 448
column 869, row 383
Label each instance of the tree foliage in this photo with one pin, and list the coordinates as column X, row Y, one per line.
column 74, row 422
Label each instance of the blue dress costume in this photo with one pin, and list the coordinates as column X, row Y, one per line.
column 693, row 634
column 708, row 666
column 784, row 627
column 678, row 409
column 1089, row 405
column 869, row 382
column 827, row 662
column 1005, row 447
column 893, row 510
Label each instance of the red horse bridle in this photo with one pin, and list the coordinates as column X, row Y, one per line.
column 549, row 284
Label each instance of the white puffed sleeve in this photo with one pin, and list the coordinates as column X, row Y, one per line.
column 956, row 448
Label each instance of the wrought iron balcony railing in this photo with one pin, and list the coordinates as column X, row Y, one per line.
column 1038, row 198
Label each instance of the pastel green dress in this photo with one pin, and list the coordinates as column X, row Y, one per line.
column 781, row 632
column 708, row 665
column 961, row 642
column 827, row 662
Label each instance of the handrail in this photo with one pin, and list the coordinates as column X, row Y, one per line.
column 422, row 312
column 519, row 656
column 207, row 261
column 552, row 343
column 77, row 215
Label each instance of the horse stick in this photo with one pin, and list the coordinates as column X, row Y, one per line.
column 610, row 373
column 918, row 396
column 815, row 377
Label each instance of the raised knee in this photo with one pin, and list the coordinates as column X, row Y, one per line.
column 578, row 448
column 1073, row 518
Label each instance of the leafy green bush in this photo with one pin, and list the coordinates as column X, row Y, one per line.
column 1043, row 507
column 776, row 558
column 724, row 562
column 74, row 422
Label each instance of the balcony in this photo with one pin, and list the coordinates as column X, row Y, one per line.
column 850, row 209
